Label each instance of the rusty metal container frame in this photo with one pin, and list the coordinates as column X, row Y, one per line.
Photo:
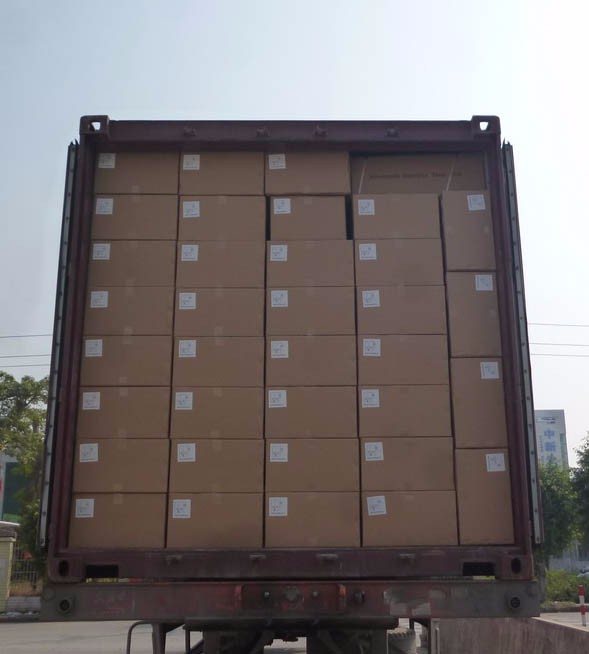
column 512, row 563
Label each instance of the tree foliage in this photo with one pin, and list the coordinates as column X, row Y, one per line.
column 559, row 507
column 23, row 407
column 581, row 487
column 562, row 586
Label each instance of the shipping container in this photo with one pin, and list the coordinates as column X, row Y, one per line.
column 290, row 383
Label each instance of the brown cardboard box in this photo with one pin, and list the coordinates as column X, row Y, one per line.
column 412, row 261
column 468, row 230
column 219, row 361
column 484, row 497
column 213, row 264
column 478, row 400
column 404, row 359
column 126, row 361
column 217, row 466
column 126, row 310
column 307, row 173
column 317, row 411
column 312, row 464
column 311, row 361
column 404, row 411
column 307, row 217
column 222, row 173
column 136, row 172
column 401, row 310
column 217, row 412
column 473, row 314
column 222, row 218
column 219, row 312
column 407, row 519
column 135, row 217
column 418, row 173
column 121, row 465
column 311, row 310
column 123, row 412
column 402, row 215
column 407, row 464
column 140, row 520
column 215, row 520
column 131, row 263
column 309, row 263
column 312, row 520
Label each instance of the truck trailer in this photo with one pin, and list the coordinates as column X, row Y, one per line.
column 290, row 387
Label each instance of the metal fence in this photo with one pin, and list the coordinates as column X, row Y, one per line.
column 24, row 580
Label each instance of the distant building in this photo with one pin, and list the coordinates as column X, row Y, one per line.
column 551, row 439
column 551, row 442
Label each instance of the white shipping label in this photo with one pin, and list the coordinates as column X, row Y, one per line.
column 371, row 347
column 276, row 161
column 281, row 205
column 186, row 452
column 489, row 370
column 101, row 251
column 186, row 349
column 107, row 160
column 370, row 299
column 377, row 505
column 367, row 251
column 191, row 162
column 183, row 401
column 104, row 206
column 191, row 209
column 279, row 253
column 88, row 452
column 370, row 398
column 495, row 462
column 279, row 349
column 277, row 506
column 98, row 299
column 366, row 207
column 181, row 509
column 93, row 347
column 279, row 298
column 373, row 452
column 276, row 399
column 186, row 301
column 189, row 252
column 84, row 508
column 279, row 452
column 483, row 282
column 476, row 202
column 91, row 401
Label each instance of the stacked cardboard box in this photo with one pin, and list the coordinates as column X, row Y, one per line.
column 252, row 376
column 404, row 403
column 122, row 447
column 217, row 453
column 312, row 476
column 482, row 462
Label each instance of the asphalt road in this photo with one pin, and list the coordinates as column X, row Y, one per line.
column 81, row 638
column 96, row 638
column 110, row 637
column 569, row 619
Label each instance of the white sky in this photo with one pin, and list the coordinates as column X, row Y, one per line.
column 149, row 59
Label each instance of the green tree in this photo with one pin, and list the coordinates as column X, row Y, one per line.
column 23, row 407
column 581, row 486
column 559, row 506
